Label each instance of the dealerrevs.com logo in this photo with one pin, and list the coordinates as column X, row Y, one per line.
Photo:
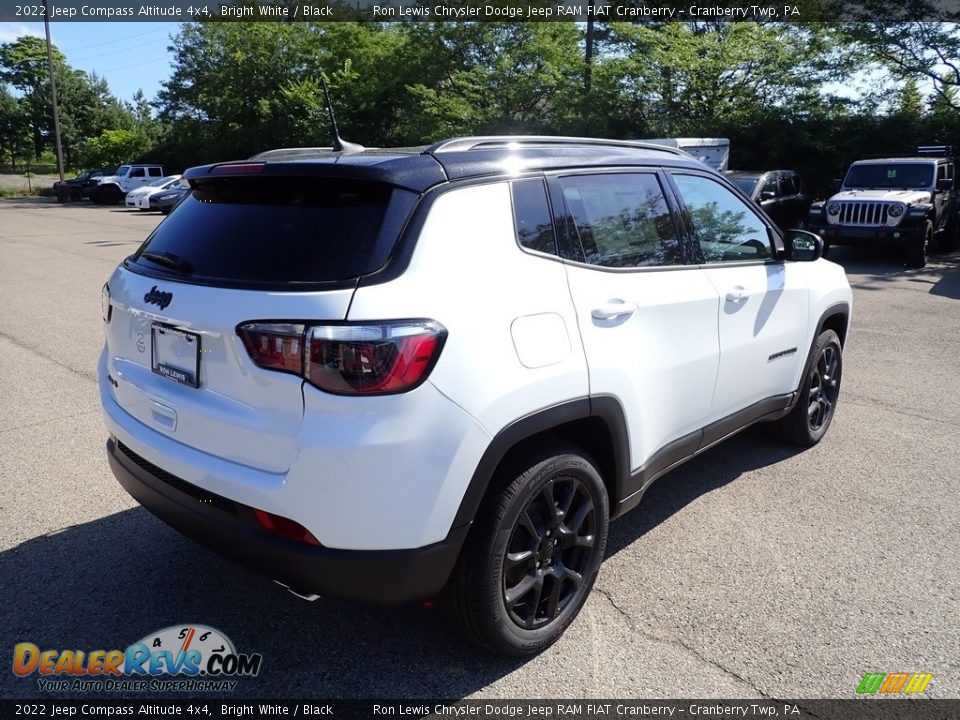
column 181, row 657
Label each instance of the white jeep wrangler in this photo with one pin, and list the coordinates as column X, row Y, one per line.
column 909, row 201
column 112, row 189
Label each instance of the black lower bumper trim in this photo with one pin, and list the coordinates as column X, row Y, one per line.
column 231, row 529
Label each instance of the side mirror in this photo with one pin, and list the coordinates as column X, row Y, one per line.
column 835, row 185
column 802, row 246
column 944, row 184
column 766, row 195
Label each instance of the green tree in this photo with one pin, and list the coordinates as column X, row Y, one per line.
column 113, row 147
column 15, row 143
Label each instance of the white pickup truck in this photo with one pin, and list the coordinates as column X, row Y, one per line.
column 113, row 188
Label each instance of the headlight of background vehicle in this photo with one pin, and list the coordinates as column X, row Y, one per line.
column 833, row 209
column 895, row 210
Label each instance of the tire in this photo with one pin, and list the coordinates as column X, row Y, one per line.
column 948, row 242
column 107, row 195
column 526, row 570
column 810, row 418
column 916, row 250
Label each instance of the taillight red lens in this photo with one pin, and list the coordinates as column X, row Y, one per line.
column 372, row 359
column 351, row 359
column 277, row 346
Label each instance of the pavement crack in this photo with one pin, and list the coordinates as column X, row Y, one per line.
column 48, row 420
column 874, row 402
column 92, row 377
column 677, row 643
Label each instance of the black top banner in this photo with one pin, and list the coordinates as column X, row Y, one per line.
column 635, row 11
column 201, row 707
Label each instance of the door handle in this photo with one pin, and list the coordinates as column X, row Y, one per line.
column 613, row 309
column 737, row 294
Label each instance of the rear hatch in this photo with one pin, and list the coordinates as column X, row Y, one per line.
column 240, row 249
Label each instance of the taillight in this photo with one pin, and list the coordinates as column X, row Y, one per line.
column 106, row 309
column 349, row 359
column 277, row 346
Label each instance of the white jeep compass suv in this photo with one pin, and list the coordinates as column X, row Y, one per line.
column 391, row 374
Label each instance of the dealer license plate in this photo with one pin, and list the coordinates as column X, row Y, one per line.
column 176, row 354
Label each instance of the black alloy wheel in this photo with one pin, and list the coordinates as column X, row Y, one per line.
column 808, row 420
column 533, row 554
column 824, row 388
column 549, row 551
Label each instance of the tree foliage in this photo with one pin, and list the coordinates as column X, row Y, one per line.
column 113, row 147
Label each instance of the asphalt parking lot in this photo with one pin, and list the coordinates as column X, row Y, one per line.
column 752, row 571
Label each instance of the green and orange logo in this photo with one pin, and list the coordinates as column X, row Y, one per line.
column 893, row 683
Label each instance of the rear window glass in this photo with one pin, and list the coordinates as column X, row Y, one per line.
column 278, row 231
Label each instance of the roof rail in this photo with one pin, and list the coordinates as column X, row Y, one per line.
column 493, row 141
column 944, row 150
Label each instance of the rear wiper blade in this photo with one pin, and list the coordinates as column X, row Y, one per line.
column 174, row 262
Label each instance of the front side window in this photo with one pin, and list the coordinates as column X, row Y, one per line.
column 725, row 227
column 622, row 220
column 136, row 173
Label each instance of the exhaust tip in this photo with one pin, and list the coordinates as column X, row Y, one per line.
column 309, row 597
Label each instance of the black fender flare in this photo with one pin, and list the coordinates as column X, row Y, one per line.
column 605, row 408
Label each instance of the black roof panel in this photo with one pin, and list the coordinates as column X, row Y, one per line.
column 420, row 168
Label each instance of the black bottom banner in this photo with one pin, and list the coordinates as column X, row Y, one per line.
column 890, row 709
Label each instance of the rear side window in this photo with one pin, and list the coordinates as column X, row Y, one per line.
column 531, row 216
column 622, row 220
column 278, row 231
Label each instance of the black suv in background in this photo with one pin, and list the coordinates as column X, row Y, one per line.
column 81, row 186
column 781, row 193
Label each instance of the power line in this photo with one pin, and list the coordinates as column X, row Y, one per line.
column 121, row 50
column 110, row 42
column 145, row 62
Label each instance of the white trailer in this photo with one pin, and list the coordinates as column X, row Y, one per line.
column 713, row 152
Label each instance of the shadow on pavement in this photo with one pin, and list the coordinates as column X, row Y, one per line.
column 875, row 268
column 723, row 464
column 108, row 583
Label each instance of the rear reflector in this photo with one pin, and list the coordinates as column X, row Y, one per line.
column 285, row 527
column 349, row 359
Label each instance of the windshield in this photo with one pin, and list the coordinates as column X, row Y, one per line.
column 917, row 176
column 746, row 184
column 162, row 181
column 122, row 171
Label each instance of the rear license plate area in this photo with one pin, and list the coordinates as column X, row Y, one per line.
column 175, row 354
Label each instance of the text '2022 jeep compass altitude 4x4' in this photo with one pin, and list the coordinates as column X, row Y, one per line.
column 385, row 375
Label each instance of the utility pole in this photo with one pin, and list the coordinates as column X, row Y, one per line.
column 587, row 67
column 53, row 90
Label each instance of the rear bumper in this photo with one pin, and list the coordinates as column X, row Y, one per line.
column 231, row 529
